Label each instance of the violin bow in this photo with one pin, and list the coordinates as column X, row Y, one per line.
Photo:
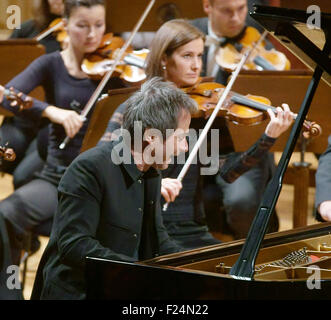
column 49, row 31
column 109, row 73
column 212, row 117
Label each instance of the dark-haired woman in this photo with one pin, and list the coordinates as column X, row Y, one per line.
column 68, row 89
column 44, row 13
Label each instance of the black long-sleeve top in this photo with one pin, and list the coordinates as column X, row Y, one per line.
column 62, row 90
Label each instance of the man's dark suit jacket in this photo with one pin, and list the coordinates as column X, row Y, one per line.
column 100, row 214
column 323, row 178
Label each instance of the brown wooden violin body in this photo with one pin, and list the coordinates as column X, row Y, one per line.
column 237, row 108
column 131, row 69
column 229, row 56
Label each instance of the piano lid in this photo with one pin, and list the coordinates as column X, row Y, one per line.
column 291, row 28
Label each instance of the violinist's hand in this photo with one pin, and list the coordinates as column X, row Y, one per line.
column 279, row 123
column 325, row 210
column 2, row 91
column 69, row 119
column 170, row 189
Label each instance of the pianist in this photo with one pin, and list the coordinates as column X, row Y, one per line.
column 112, row 210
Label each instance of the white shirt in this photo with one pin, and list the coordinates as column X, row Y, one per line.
column 212, row 66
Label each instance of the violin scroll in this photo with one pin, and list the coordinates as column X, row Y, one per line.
column 17, row 99
column 311, row 129
column 7, row 154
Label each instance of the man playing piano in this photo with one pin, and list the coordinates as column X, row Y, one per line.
column 109, row 198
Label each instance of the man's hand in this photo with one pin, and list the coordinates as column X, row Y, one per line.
column 69, row 119
column 279, row 123
column 325, row 210
column 170, row 189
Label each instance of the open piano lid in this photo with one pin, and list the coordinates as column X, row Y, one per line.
column 290, row 27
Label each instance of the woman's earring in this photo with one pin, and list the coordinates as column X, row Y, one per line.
column 164, row 67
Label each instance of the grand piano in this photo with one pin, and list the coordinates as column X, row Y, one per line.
column 294, row 264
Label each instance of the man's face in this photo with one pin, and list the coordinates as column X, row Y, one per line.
column 175, row 144
column 227, row 17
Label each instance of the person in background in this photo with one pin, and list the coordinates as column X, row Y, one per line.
column 323, row 183
column 44, row 13
column 28, row 138
column 176, row 55
column 68, row 89
column 226, row 19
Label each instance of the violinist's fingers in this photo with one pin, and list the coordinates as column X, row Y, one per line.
column 73, row 125
column 170, row 189
column 279, row 123
column 288, row 114
column 165, row 194
column 271, row 114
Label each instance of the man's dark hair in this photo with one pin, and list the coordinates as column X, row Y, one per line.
column 157, row 105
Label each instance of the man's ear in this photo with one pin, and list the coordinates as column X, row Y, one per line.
column 206, row 6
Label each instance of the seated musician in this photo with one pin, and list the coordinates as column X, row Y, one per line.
column 44, row 13
column 323, row 182
column 240, row 200
column 68, row 89
column 28, row 138
column 109, row 198
column 176, row 55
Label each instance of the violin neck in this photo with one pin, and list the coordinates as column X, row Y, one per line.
column 135, row 61
column 240, row 99
column 263, row 63
column 49, row 31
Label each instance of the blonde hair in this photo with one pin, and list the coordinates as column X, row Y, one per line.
column 170, row 36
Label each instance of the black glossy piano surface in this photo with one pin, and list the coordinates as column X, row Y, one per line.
column 199, row 274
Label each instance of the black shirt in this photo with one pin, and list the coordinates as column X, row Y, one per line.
column 63, row 91
column 101, row 213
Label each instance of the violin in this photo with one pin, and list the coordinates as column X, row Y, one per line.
column 130, row 69
column 17, row 100
column 237, row 108
column 108, row 74
column 56, row 27
column 7, row 154
column 229, row 56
